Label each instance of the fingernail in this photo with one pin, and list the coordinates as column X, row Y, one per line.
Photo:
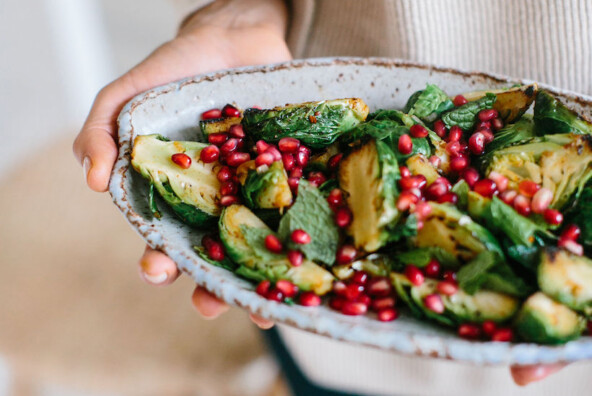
column 156, row 279
column 85, row 167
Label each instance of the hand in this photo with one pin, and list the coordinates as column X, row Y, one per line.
column 524, row 375
column 228, row 33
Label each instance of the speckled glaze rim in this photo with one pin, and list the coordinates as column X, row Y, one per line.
column 330, row 324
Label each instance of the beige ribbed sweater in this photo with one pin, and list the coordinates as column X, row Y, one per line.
column 548, row 41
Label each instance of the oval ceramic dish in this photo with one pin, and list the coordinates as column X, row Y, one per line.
column 174, row 110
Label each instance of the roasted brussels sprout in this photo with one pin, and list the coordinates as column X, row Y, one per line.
column 418, row 164
column 521, row 131
column 429, row 103
column 510, row 103
column 192, row 193
column 545, row 321
column 465, row 116
column 265, row 188
column 243, row 235
column 552, row 116
column 374, row 264
column 316, row 124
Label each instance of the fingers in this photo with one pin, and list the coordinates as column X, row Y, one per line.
column 262, row 323
column 524, row 375
column 97, row 152
column 157, row 268
column 207, row 304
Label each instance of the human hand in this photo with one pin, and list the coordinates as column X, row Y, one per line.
column 226, row 34
column 524, row 375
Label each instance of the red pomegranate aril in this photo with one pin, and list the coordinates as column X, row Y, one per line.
column 571, row 232
column 447, row 288
column 422, row 210
column 382, row 302
column 487, row 135
column 497, row 123
column 434, row 303
column 502, row 335
column 453, row 148
column 501, row 181
column 477, row 143
column 207, row 241
column 435, row 161
column 471, row 176
column 261, row 146
column 289, row 145
column 418, row 181
column 414, row 275
column 387, row 314
column 508, row 196
column 469, row 331
column 339, row 287
column 229, row 188
column 455, row 134
column 337, row 303
column 346, row 254
column 333, row 163
column 449, row 275
column 488, row 327
column 288, row 161
column 211, row 114
column 277, row 156
column 300, row 237
column 228, row 200
column 237, row 158
column 435, row 191
column 335, row 198
column 522, row 205
column 224, row 174
column 528, row 188
column 364, row 299
column 316, row 178
column 209, row 154
column 229, row 146
column 444, row 181
column 293, row 183
column 405, row 200
column 432, row 269
column 485, row 187
column 309, row 299
column 264, row 159
column 230, row 111
column 215, row 251
column 182, row 160
column 241, row 144
column 295, row 258
column 418, row 131
column 440, row 128
column 571, row 246
column 273, row 244
column 302, row 156
column 378, row 286
column 287, row 288
column 360, row 277
column 483, row 125
column 354, row 308
column 352, row 291
column 275, row 294
column 217, row 138
column 296, row 172
column 541, row 200
column 263, row 288
column 404, row 171
column 343, row 217
column 487, row 114
column 553, row 217
column 237, row 131
column 449, row 197
column 405, row 144
column 459, row 100
column 458, row 164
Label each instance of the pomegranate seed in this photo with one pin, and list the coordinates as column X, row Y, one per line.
column 485, row 187
column 381, row 303
column 434, row 303
column 571, row 232
column 449, row 275
column 418, row 181
column 405, row 144
column 487, row 114
column 541, row 200
column 448, row 288
column 414, row 275
column 288, row 161
column 354, row 308
column 440, row 128
column 528, row 188
column 337, row 303
column 237, row 158
column 296, row 172
column 458, row 164
column 346, row 254
column 287, row 288
column 436, row 190
column 300, row 237
column 432, row 269
column 209, row 154
column 488, row 327
column 316, row 178
column 522, row 205
column 418, row 131
column 459, row 100
column 502, row 335
column 483, row 125
column 217, row 138
column 487, row 135
column 405, row 200
column 404, row 171
column 589, row 327
column 264, row 159
column 378, row 286
column 215, row 251
column 364, row 299
column 273, row 244
column 309, row 299
column 211, row 114
column 477, row 143
column 289, row 145
column 455, row 134
column 293, row 183
column 387, row 314
column 228, row 200
column 335, row 198
column 422, row 210
column 469, row 331
column 277, row 156
column 352, row 291
column 302, row 156
column 449, row 197
column 343, row 217
column 224, row 174
column 508, row 196
column 230, row 111
column 236, row 131
column 275, row 294
column 453, row 148
column 360, row 277
column 261, row 146
column 295, row 257
column 229, row 188
column 471, row 176
column 339, row 287
column 263, row 288
column 571, row 246
column 207, row 241
column 182, row 160
column 435, row 161
column 497, row 124
column 333, row 163
column 241, row 144
column 553, row 216
column 500, row 180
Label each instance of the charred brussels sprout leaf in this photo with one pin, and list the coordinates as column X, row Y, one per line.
column 552, row 116
column 267, row 188
column 316, row 124
column 429, row 103
column 465, row 116
column 192, row 193
column 218, row 125
column 510, row 103
column 521, row 131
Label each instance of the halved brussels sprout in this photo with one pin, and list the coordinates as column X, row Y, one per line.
column 521, row 131
column 368, row 175
column 192, row 193
column 567, row 278
column 419, row 165
column 552, row 116
column 510, row 103
column 265, row 188
column 545, row 321
column 316, row 124
column 218, row 125
column 234, row 222
column 373, row 264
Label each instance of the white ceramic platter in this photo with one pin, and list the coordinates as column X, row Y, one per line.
column 174, row 110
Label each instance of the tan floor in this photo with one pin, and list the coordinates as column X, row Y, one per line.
column 74, row 313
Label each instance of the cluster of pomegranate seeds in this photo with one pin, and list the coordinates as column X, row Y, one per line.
column 279, row 292
column 488, row 331
column 336, row 201
column 568, row 240
column 447, row 285
column 214, row 247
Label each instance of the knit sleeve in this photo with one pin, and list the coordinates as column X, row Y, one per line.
column 301, row 18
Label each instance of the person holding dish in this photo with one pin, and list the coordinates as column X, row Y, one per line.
column 547, row 41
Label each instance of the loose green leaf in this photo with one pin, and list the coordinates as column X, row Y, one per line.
column 422, row 256
column 551, row 116
column 256, row 240
column 429, row 104
column 472, row 276
column 465, row 116
column 461, row 189
column 225, row 263
column 153, row 208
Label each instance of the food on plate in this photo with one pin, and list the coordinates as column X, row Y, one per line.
column 472, row 211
